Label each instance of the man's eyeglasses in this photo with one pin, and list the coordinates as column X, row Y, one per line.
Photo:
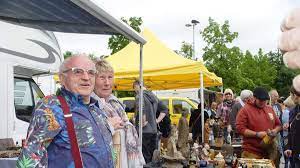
column 79, row 71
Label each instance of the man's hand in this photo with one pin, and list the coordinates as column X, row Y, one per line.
column 288, row 153
column 272, row 133
column 285, row 126
column 116, row 122
column 144, row 122
column 289, row 40
column 160, row 117
column 261, row 134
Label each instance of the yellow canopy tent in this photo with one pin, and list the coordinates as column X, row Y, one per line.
column 162, row 68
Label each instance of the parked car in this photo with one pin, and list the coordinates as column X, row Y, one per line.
column 174, row 104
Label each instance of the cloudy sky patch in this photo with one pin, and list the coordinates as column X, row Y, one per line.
column 256, row 21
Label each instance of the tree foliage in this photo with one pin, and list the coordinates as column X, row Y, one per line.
column 239, row 70
column 118, row 42
column 186, row 50
column 284, row 75
column 68, row 54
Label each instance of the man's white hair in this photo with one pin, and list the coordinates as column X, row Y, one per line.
column 246, row 94
column 63, row 65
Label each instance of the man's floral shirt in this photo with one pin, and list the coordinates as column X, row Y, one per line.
column 48, row 144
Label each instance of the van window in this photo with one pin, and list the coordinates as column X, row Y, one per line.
column 129, row 105
column 179, row 104
column 26, row 95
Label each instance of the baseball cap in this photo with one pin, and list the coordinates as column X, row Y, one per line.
column 261, row 93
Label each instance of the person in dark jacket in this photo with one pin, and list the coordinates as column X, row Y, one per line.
column 212, row 112
column 245, row 97
column 149, row 122
column 293, row 145
column 195, row 123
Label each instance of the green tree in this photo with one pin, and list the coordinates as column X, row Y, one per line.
column 67, row 54
column 258, row 70
column 219, row 58
column 93, row 57
column 118, row 42
column 284, row 75
column 239, row 70
column 186, row 50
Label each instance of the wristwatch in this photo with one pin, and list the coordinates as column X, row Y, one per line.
column 256, row 134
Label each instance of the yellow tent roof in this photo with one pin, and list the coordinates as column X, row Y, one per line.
column 163, row 68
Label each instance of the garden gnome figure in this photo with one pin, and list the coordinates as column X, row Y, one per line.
column 183, row 134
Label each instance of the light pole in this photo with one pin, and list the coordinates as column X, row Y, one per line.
column 193, row 24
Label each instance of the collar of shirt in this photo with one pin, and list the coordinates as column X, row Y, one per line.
column 241, row 102
column 77, row 98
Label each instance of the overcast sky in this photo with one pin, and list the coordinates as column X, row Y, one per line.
column 256, row 21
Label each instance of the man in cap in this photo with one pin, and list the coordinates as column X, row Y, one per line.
column 257, row 121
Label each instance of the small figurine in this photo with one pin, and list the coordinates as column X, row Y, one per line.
column 205, row 149
column 228, row 138
column 220, row 162
column 172, row 150
column 195, row 152
column 183, row 133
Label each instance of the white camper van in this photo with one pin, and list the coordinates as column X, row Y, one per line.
column 24, row 53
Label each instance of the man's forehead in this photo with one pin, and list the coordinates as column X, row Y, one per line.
column 81, row 62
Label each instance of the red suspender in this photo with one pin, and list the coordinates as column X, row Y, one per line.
column 71, row 132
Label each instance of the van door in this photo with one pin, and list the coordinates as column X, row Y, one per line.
column 26, row 95
column 177, row 106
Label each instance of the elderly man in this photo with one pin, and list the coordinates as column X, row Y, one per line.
column 274, row 102
column 245, row 97
column 49, row 142
column 274, row 96
column 257, row 121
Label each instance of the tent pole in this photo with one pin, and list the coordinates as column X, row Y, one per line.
column 202, row 104
column 141, row 98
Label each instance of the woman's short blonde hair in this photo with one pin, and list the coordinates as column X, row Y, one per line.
column 103, row 66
